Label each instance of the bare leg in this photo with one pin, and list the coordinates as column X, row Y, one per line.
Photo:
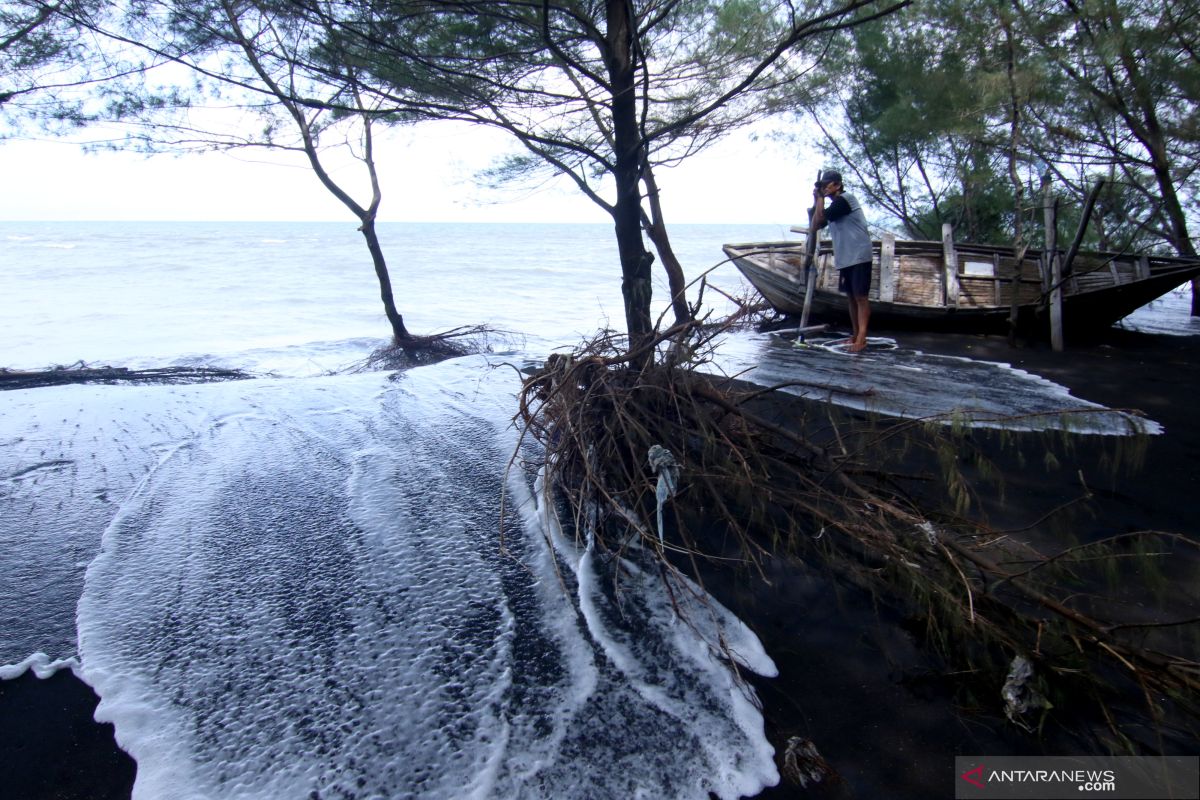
column 861, row 310
column 853, row 303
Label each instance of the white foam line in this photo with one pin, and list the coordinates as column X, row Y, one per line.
column 41, row 665
column 732, row 637
column 695, row 646
column 122, row 701
column 559, row 616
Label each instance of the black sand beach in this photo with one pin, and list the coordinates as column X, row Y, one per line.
column 854, row 679
column 50, row 745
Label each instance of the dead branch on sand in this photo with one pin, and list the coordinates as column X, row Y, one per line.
column 79, row 372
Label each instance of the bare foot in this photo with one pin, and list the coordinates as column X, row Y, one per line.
column 857, row 347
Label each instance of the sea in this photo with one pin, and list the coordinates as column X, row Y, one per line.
column 331, row 582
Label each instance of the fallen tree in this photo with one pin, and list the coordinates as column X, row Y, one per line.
column 691, row 468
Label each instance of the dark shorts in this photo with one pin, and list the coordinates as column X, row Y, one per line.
column 855, row 280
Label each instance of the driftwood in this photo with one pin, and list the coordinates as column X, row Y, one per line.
column 82, row 373
column 414, row 351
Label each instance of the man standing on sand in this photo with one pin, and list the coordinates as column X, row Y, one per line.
column 851, row 249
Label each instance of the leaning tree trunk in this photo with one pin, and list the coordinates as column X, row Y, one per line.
column 635, row 261
column 1146, row 126
column 400, row 334
column 1177, row 220
column 656, row 229
column 1181, row 240
column 308, row 134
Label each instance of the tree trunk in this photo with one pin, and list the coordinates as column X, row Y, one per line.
column 657, row 231
column 1149, row 131
column 635, row 261
column 400, row 334
column 1176, row 217
column 309, row 135
column 1181, row 240
column 1014, row 175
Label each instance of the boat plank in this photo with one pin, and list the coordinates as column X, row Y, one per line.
column 950, row 256
column 977, row 292
column 917, row 280
column 887, row 268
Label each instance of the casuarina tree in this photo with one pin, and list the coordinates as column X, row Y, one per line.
column 257, row 75
column 605, row 92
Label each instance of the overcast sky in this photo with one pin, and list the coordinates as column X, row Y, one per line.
column 426, row 176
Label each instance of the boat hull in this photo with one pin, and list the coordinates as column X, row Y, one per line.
column 912, row 286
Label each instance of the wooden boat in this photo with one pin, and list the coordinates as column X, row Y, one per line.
column 965, row 287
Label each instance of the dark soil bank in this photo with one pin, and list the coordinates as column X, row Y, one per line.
column 855, row 678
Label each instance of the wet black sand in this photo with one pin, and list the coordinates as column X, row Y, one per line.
column 853, row 678
column 52, row 748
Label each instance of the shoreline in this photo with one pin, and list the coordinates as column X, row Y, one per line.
column 853, row 678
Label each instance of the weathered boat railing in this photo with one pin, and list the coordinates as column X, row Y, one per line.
column 1122, row 267
column 956, row 275
column 984, row 283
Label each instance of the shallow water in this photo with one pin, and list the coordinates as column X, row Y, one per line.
column 893, row 379
column 1169, row 315
column 301, row 298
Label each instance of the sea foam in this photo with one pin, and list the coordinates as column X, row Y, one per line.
column 318, row 594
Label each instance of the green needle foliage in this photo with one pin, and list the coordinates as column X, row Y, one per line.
column 958, row 111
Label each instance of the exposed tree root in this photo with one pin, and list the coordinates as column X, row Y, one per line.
column 415, row 351
column 1020, row 619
